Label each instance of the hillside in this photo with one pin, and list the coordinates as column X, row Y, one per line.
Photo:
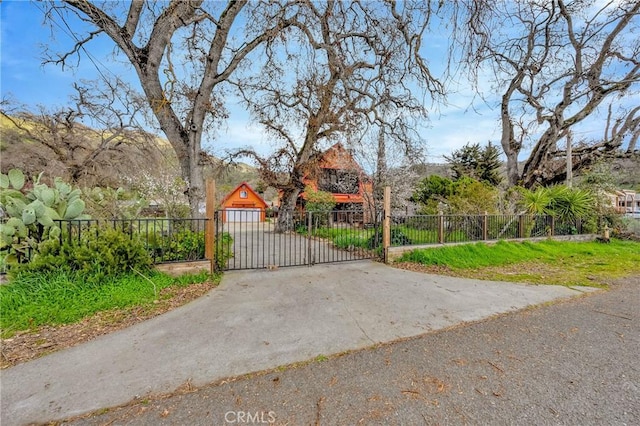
column 79, row 154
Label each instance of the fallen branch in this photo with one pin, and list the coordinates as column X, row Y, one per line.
column 613, row 315
column 496, row 367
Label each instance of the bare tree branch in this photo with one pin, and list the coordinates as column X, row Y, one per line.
column 146, row 32
column 557, row 64
column 354, row 66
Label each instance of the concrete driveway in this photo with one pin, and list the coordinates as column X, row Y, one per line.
column 255, row 320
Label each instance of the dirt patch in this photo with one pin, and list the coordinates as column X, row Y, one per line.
column 31, row 344
column 427, row 269
column 522, row 272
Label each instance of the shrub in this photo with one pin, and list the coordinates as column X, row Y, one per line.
column 223, row 250
column 97, row 254
column 184, row 245
column 398, row 238
column 319, row 201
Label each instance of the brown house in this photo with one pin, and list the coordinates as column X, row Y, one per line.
column 243, row 204
column 340, row 174
column 626, row 202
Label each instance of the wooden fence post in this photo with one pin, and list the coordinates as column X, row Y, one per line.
column 520, row 226
column 440, row 227
column 386, row 223
column 484, row 226
column 209, row 233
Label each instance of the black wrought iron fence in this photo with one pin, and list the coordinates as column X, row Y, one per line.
column 446, row 228
column 312, row 237
column 167, row 240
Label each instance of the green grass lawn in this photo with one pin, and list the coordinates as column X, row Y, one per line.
column 547, row 262
column 62, row 297
column 353, row 237
column 345, row 237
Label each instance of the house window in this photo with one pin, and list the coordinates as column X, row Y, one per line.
column 339, row 181
column 243, row 194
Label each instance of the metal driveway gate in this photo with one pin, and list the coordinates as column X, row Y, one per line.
column 337, row 236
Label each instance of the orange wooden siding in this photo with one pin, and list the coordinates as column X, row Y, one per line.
column 244, row 197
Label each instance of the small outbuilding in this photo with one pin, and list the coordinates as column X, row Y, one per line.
column 243, row 204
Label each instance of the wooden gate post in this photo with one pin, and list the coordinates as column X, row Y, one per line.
column 386, row 223
column 209, row 233
column 440, row 227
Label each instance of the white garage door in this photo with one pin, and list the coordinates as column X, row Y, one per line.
column 243, row 215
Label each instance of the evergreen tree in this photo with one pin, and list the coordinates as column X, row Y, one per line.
column 481, row 163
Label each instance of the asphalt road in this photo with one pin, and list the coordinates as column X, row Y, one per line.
column 573, row 362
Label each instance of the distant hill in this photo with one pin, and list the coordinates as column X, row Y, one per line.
column 626, row 172
column 71, row 152
column 42, row 144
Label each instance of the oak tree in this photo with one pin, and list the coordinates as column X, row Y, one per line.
column 182, row 52
column 339, row 70
column 556, row 65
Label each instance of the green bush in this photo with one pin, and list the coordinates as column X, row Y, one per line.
column 184, row 245
column 398, row 238
column 97, row 254
column 350, row 241
column 223, row 250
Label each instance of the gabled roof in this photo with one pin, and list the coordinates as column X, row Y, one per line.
column 249, row 188
column 337, row 157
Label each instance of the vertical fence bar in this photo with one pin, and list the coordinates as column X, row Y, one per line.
column 209, row 234
column 386, row 223
column 520, row 226
column 309, row 246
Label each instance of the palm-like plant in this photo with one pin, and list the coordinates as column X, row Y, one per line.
column 566, row 204
column 569, row 204
column 536, row 202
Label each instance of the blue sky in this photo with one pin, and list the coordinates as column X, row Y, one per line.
column 26, row 80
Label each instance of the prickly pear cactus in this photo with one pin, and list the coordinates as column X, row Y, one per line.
column 29, row 210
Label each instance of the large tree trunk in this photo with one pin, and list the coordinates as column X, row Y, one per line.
column 192, row 173
column 511, row 150
column 513, row 175
column 286, row 213
column 291, row 191
column 510, row 146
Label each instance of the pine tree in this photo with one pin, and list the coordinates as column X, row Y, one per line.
column 481, row 163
